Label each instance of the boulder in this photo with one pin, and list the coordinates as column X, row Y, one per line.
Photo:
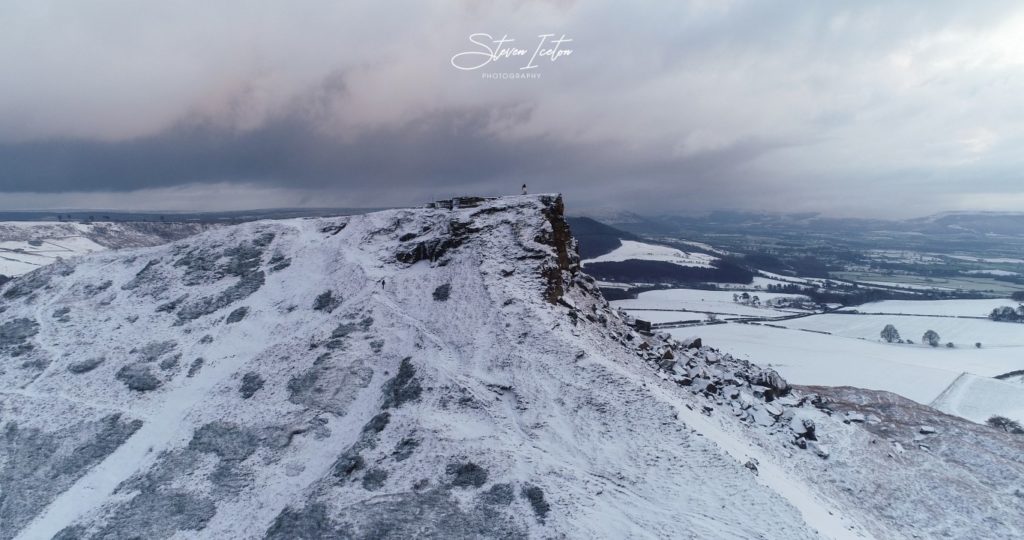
column 819, row 449
column 691, row 343
column 854, row 417
column 771, row 379
column 760, row 416
column 802, row 425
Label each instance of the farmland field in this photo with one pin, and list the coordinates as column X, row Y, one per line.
column 718, row 302
column 844, row 349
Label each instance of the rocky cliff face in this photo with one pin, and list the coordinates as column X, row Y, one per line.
column 440, row 373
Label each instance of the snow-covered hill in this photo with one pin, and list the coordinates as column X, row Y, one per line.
column 433, row 373
column 640, row 251
column 28, row 245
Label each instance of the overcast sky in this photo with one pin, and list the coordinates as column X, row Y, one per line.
column 868, row 108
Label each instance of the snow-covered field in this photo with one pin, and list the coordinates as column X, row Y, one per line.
column 632, row 250
column 845, row 349
column 908, row 286
column 918, row 373
column 21, row 257
column 979, row 398
column 991, row 273
column 962, row 308
column 718, row 302
column 994, row 260
column 961, row 332
column 27, row 245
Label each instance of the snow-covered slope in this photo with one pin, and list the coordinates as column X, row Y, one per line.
column 415, row 373
column 980, row 398
column 27, row 245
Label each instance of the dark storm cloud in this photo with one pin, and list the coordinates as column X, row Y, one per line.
column 894, row 107
column 452, row 147
column 446, row 149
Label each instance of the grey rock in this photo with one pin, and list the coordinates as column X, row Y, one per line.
column 442, row 292
column 194, row 368
column 251, row 383
column 403, row 387
column 227, row 440
column 329, row 388
column 151, row 352
column 535, row 496
column 138, row 377
column 498, row 495
column 374, row 479
column 467, row 474
column 14, row 335
column 85, row 366
column 310, row 523
column 152, row 514
column 237, row 315
column 348, row 463
column 170, row 362
column 39, row 465
column 404, row 449
column 326, row 302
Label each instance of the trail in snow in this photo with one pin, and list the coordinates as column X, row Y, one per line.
column 817, row 512
column 92, row 490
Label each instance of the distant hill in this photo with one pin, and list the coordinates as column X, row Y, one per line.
column 596, row 238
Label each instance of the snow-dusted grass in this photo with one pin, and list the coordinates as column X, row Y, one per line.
column 632, row 250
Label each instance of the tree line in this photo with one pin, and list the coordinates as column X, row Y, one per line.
column 1007, row 314
column 931, row 338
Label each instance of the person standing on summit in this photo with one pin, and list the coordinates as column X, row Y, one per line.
column 524, row 189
